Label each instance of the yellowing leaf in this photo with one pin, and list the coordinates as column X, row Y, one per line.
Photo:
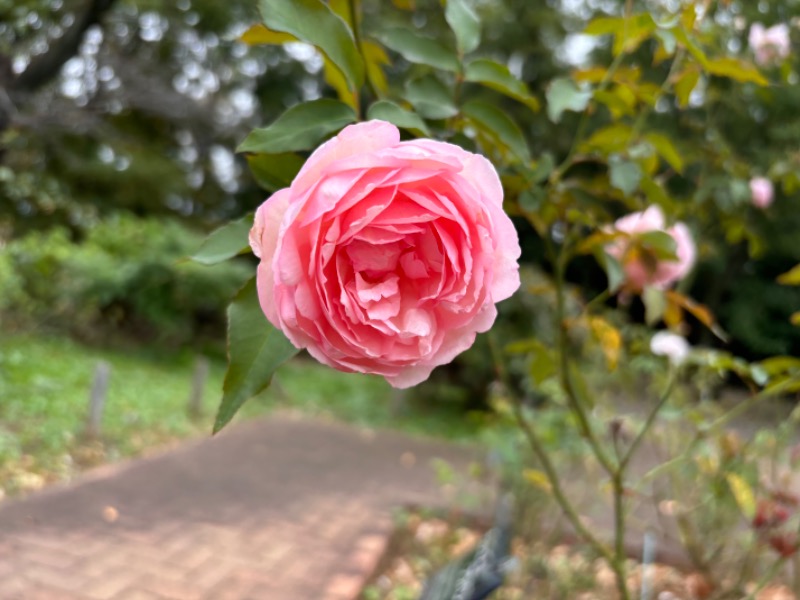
column 611, row 139
column 537, row 478
column 736, row 69
column 709, row 465
column 598, row 74
column 636, row 30
column 795, row 319
column 604, row 26
column 673, row 314
column 743, row 494
column 700, row 312
column 609, row 338
column 619, row 104
column 375, row 58
column 791, row 277
column 341, row 8
column 259, row 35
column 335, row 79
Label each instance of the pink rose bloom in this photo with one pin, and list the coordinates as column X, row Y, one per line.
column 762, row 192
column 643, row 271
column 384, row 256
column 769, row 45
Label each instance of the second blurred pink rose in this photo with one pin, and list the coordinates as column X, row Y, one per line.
column 769, row 45
column 642, row 268
column 762, row 192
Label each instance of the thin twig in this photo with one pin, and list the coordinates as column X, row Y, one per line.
column 648, row 423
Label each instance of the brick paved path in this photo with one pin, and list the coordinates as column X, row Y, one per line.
column 279, row 509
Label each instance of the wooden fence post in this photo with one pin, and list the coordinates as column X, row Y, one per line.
column 97, row 399
column 198, row 386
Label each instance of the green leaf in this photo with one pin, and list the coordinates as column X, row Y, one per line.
column 497, row 77
column 314, row 22
column 255, row 350
column 225, row 242
column 685, row 85
column 666, row 150
column 654, row 191
column 687, row 42
column 780, row 364
column 543, row 364
column 543, row 361
column 736, row 69
column 655, row 303
column 542, row 169
column 614, row 272
column 562, row 94
column 668, row 41
column 660, row 244
column 397, row 115
column 465, row 24
column 301, row 127
column 782, row 386
column 419, row 49
column 260, row 35
column 274, row 171
column 431, row 98
column 625, row 175
column 498, row 125
column 791, row 277
column 532, row 199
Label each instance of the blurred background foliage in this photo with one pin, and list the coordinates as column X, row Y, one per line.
column 118, row 121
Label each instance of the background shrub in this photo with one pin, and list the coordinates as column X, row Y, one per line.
column 127, row 276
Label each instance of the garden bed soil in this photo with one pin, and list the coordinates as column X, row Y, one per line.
column 425, row 541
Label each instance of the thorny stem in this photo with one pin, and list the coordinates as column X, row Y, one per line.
column 615, row 559
column 648, row 423
column 547, row 465
column 565, row 376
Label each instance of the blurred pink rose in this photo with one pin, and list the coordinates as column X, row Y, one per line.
column 384, row 256
column 761, row 191
column 642, row 269
column 769, row 45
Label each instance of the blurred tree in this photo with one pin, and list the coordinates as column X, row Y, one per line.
column 134, row 105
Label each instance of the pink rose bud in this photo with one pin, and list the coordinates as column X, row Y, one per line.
column 769, row 45
column 386, row 257
column 761, row 192
column 641, row 270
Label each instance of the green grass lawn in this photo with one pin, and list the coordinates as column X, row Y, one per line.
column 44, row 392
